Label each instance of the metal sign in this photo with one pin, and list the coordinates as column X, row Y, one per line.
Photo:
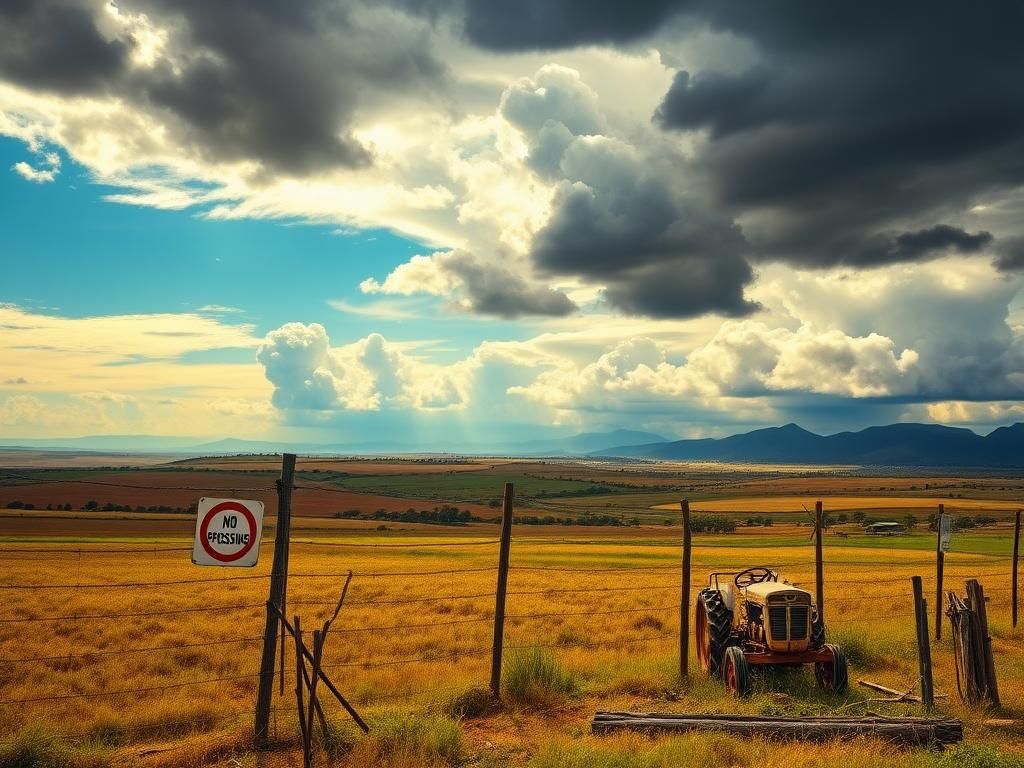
column 228, row 532
column 945, row 531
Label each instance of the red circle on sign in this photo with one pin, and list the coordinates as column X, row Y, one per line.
column 233, row 506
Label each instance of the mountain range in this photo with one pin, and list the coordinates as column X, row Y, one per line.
column 920, row 445
column 573, row 445
column 909, row 445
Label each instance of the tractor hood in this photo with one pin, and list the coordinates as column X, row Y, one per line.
column 787, row 592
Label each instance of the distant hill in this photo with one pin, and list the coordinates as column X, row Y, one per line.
column 573, row 445
column 914, row 445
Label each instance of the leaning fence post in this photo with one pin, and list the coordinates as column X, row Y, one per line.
column 924, row 651
column 278, row 585
column 940, row 561
column 684, row 599
column 1016, row 554
column 499, row 598
column 976, row 593
column 819, row 569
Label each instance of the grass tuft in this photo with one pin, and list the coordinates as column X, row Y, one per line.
column 975, row 756
column 534, row 677
column 470, row 703
column 36, row 746
column 401, row 739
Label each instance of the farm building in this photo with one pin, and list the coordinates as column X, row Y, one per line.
column 886, row 529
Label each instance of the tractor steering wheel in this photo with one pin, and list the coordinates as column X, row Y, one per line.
column 754, row 576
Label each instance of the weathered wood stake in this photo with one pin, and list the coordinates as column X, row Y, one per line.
column 976, row 594
column 940, row 561
column 924, row 651
column 819, row 568
column 300, row 676
column 684, row 598
column 278, row 586
column 499, row 598
column 318, row 647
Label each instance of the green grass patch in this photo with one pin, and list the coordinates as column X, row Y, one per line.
column 403, row 739
column 36, row 746
column 534, row 677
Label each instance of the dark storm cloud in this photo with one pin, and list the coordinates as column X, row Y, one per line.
column 543, row 24
column 261, row 86
column 618, row 221
column 1010, row 255
column 858, row 117
column 494, row 290
column 57, row 46
column 917, row 246
column 855, row 119
column 267, row 81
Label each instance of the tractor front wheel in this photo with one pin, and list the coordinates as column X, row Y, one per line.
column 736, row 672
column 832, row 675
column 712, row 630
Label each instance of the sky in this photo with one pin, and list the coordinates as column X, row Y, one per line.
column 425, row 220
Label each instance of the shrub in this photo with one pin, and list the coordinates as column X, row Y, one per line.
column 711, row 524
column 534, row 677
column 472, row 702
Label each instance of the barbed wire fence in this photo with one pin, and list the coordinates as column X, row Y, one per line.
column 561, row 629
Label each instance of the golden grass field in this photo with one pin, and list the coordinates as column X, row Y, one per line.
column 177, row 689
column 761, row 504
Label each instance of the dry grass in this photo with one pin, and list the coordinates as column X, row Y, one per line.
column 762, row 504
column 617, row 645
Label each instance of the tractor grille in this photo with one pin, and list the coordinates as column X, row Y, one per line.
column 777, row 619
column 797, row 622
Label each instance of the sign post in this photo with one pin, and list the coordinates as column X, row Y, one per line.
column 945, row 528
column 945, row 531
column 228, row 532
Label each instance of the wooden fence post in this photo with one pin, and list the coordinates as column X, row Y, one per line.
column 940, row 562
column 924, row 651
column 976, row 595
column 499, row 600
column 684, row 599
column 819, row 570
column 1016, row 554
column 278, row 586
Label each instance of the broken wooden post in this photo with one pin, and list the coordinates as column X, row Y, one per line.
column 976, row 598
column 924, row 651
column 300, row 677
column 327, row 682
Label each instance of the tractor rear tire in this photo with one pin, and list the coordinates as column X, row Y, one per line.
column 817, row 631
column 713, row 630
column 833, row 675
column 736, row 672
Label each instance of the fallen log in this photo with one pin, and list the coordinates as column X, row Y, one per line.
column 909, row 731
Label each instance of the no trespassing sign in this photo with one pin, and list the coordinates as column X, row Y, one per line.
column 228, row 532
